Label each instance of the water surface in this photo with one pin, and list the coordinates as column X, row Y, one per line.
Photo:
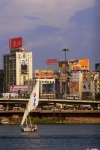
column 51, row 137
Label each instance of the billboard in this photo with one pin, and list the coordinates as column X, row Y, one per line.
column 74, row 76
column 23, row 66
column 97, row 67
column 43, row 74
column 86, row 86
column 22, row 88
column 52, row 61
column 15, row 42
column 62, row 65
column 74, row 87
column 10, row 95
column 79, row 64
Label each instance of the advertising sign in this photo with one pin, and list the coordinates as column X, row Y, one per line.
column 79, row 64
column 52, row 61
column 86, row 86
column 74, row 87
column 43, row 74
column 23, row 66
column 10, row 95
column 22, row 88
column 97, row 67
column 15, row 42
column 74, row 76
column 62, row 64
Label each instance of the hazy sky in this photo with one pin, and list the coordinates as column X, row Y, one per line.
column 49, row 26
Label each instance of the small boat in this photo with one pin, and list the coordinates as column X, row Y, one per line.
column 5, row 121
column 29, row 128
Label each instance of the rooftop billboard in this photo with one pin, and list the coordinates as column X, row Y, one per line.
column 15, row 42
column 52, row 61
column 62, row 64
column 79, row 64
column 43, row 74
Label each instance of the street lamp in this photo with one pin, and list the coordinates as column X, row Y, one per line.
column 65, row 49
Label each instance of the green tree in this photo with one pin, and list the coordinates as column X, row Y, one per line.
column 97, row 96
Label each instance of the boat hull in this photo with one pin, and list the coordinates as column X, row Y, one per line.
column 29, row 128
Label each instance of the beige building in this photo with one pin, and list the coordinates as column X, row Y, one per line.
column 88, row 83
column 95, row 84
column 17, row 67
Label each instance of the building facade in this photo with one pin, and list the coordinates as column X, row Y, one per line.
column 17, row 67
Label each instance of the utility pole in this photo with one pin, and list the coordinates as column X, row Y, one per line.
column 65, row 49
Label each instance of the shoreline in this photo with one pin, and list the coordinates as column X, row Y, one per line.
column 67, row 120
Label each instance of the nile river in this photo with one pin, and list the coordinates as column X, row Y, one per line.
column 51, row 137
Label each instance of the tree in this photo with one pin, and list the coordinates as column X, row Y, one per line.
column 97, row 96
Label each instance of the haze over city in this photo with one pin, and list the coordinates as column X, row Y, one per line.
column 49, row 26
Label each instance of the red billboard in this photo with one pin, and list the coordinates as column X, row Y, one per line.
column 15, row 42
column 52, row 61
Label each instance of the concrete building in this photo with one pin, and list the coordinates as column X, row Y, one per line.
column 1, row 82
column 46, row 87
column 85, row 84
column 95, row 84
column 17, row 67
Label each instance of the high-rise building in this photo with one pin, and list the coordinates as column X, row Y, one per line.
column 17, row 67
column 1, row 82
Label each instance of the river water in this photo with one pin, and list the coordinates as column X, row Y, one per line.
column 51, row 137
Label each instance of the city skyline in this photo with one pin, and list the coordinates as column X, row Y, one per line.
column 48, row 27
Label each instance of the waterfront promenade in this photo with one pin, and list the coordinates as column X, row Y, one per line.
column 54, row 116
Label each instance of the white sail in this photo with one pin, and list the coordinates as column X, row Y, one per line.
column 33, row 101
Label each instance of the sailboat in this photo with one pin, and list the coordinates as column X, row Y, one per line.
column 32, row 104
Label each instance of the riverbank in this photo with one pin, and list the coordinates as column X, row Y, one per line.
column 67, row 120
column 81, row 120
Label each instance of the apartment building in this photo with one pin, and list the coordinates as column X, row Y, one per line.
column 17, row 67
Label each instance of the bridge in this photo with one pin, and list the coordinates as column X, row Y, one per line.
column 46, row 101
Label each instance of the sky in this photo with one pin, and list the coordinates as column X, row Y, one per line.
column 47, row 27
